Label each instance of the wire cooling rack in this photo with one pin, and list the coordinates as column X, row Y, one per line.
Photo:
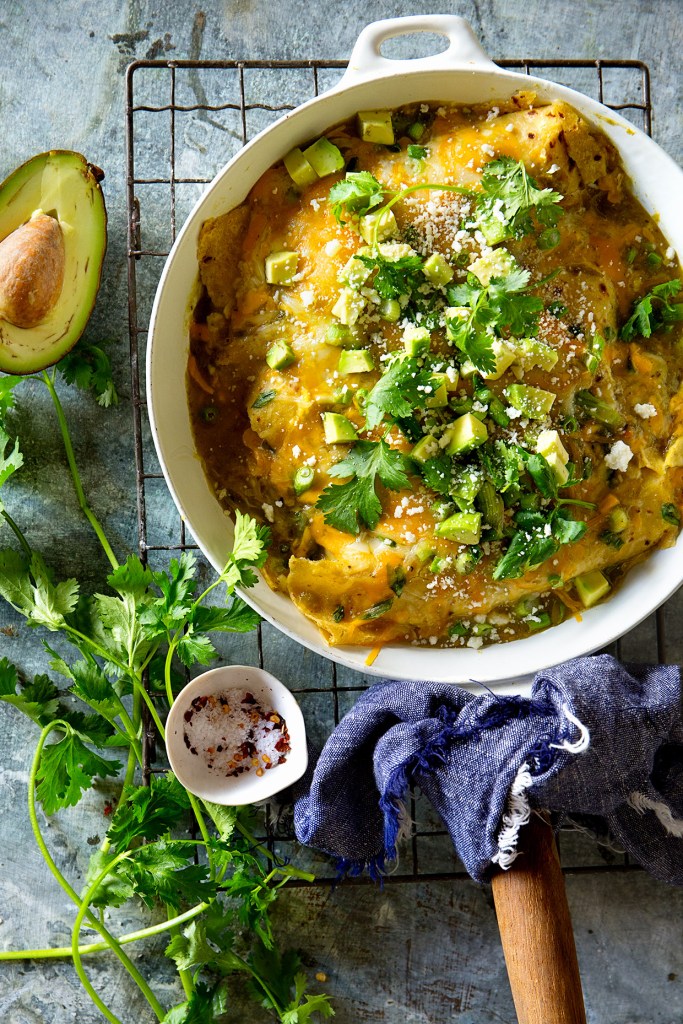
column 184, row 120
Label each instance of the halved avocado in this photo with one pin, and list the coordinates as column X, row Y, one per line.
column 53, row 236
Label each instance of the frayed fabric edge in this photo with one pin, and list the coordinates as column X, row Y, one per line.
column 641, row 803
column 517, row 814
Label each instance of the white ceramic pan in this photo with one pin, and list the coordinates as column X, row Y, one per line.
column 462, row 74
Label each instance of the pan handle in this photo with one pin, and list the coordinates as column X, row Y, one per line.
column 536, row 932
column 464, row 49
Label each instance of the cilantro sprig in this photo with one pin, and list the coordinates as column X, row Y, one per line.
column 509, row 197
column 481, row 313
column 353, row 504
column 404, row 387
column 654, row 312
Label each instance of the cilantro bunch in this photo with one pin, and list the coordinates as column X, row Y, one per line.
column 119, row 647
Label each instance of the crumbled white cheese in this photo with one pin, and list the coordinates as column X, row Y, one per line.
column 332, row 247
column 646, row 412
column 619, row 457
column 268, row 512
column 307, row 297
column 513, row 413
column 475, row 642
column 670, row 253
column 296, row 451
column 509, row 127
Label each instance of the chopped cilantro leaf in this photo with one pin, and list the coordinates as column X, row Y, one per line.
column 355, row 503
column 398, row 392
column 539, row 536
column 654, row 312
column 508, row 197
column 417, row 152
column 394, row 278
column 438, row 474
column 358, row 192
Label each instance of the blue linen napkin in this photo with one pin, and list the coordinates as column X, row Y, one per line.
column 595, row 738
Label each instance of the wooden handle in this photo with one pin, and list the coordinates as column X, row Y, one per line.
column 536, row 932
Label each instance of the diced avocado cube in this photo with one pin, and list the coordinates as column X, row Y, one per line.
column 280, row 355
column 338, row 429
column 439, row 396
column 424, row 549
column 558, row 467
column 416, row 340
column 356, row 360
column 466, row 487
column 354, row 273
column 591, row 587
column 532, row 352
column 385, row 222
column 437, row 270
column 426, row 448
column 324, row 157
column 505, row 356
column 532, row 402
column 340, row 336
column 348, row 307
column 299, row 169
column 493, row 230
column 390, row 310
column 281, row 267
column 466, row 433
column 549, row 442
column 674, row 456
column 463, row 528
column 498, row 263
column 376, row 126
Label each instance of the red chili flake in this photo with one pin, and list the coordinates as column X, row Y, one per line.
column 108, row 808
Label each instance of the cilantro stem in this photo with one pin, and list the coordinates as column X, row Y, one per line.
column 84, row 910
column 109, row 939
column 58, row 952
column 18, row 534
column 78, row 486
column 184, row 975
column 290, row 871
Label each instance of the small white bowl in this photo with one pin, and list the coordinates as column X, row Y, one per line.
column 249, row 788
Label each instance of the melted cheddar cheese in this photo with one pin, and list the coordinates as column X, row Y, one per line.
column 256, row 425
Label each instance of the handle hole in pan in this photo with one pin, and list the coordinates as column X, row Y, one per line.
column 413, row 45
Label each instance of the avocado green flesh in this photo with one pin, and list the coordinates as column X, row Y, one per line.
column 63, row 185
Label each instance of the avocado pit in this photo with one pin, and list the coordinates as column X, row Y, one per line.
column 32, row 261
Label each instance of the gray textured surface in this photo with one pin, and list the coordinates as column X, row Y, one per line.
column 421, row 954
